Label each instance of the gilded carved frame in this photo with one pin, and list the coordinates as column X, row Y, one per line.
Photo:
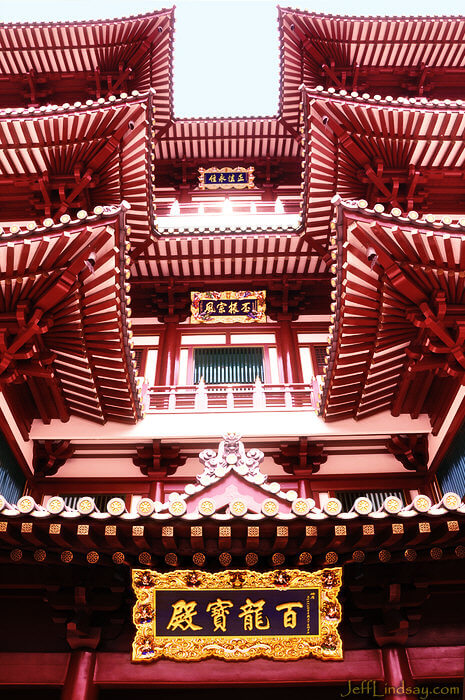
column 147, row 646
column 237, row 299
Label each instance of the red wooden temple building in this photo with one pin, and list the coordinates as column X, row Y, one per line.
column 283, row 296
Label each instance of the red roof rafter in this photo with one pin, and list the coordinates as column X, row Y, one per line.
column 385, row 55
column 45, row 63
column 408, row 156
column 227, row 256
column 63, row 328
column 399, row 330
column 63, row 159
column 224, row 139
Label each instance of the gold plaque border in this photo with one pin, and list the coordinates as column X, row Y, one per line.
column 229, row 296
column 326, row 646
column 249, row 184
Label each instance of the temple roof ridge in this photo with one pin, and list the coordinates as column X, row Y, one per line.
column 147, row 509
column 453, row 224
column 20, row 231
column 238, row 230
column 228, row 118
column 390, row 18
column 377, row 100
column 84, row 22
column 233, row 466
column 231, row 455
column 66, row 108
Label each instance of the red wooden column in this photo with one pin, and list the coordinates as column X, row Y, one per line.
column 304, row 485
column 156, row 491
column 427, row 489
column 396, row 673
column 79, row 681
column 289, row 350
column 167, row 353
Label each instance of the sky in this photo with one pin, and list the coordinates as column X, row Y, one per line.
column 226, row 60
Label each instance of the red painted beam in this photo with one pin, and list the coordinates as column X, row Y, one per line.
column 114, row 669
column 436, row 662
column 35, row 669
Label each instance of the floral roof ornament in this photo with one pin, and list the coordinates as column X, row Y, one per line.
column 232, row 483
column 231, row 455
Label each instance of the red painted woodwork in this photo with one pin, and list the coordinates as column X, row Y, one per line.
column 457, row 421
column 92, row 169
column 219, row 257
column 116, row 669
column 233, row 397
column 168, row 351
column 390, row 357
column 33, row 668
column 160, row 368
column 304, row 488
column 397, row 341
column 79, row 681
column 396, row 671
column 156, row 491
column 69, row 61
column 436, row 662
column 62, row 316
column 362, row 138
column 287, row 344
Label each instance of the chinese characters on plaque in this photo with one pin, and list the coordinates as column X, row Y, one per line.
column 211, row 613
column 191, row 615
column 228, row 307
column 226, row 178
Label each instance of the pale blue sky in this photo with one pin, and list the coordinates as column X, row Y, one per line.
column 226, row 51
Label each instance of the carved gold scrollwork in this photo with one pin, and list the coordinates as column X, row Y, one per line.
column 147, row 646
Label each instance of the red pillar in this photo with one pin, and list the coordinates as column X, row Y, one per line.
column 396, row 673
column 289, row 351
column 79, row 681
column 157, row 491
column 427, row 489
column 304, row 487
column 167, row 353
column 159, row 371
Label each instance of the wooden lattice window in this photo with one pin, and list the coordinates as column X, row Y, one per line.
column 231, row 365
column 140, row 361
column 451, row 472
column 12, row 479
column 319, row 354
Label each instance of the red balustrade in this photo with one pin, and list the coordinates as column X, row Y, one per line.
column 234, row 397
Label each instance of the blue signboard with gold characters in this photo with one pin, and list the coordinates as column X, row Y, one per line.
column 226, row 178
column 228, row 307
column 285, row 614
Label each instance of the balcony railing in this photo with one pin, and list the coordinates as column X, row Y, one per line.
column 234, row 397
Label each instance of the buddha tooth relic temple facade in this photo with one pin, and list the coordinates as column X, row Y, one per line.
column 232, row 367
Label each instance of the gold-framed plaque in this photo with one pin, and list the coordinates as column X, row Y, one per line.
column 226, row 178
column 228, row 307
column 237, row 615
